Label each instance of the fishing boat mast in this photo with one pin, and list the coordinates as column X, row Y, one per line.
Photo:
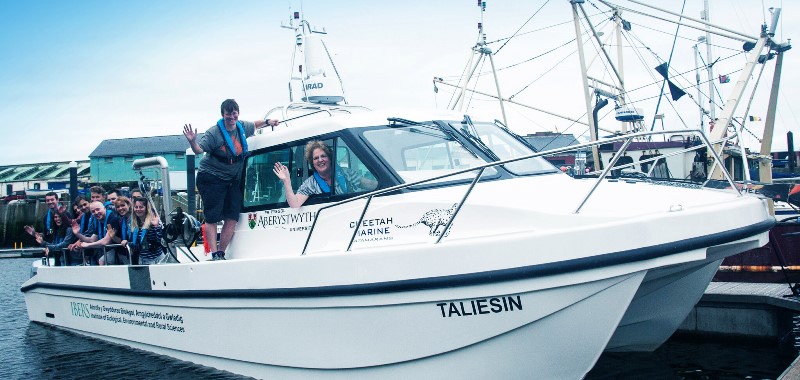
column 585, row 80
column 483, row 52
column 765, row 159
column 710, row 64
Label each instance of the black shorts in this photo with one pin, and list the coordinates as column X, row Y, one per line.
column 221, row 199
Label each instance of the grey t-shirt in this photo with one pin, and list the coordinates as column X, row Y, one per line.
column 212, row 140
column 352, row 181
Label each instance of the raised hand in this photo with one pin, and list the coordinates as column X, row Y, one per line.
column 281, row 171
column 30, row 230
column 76, row 229
column 191, row 134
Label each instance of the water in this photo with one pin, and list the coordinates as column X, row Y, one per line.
column 33, row 351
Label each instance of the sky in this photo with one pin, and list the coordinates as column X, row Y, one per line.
column 74, row 73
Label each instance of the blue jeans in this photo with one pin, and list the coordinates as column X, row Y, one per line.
column 145, row 261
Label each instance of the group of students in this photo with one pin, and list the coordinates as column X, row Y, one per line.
column 105, row 219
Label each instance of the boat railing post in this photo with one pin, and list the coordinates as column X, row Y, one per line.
column 358, row 224
column 311, row 231
column 718, row 160
column 605, row 172
column 458, row 208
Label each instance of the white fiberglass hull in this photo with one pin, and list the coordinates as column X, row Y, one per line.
column 667, row 295
column 548, row 327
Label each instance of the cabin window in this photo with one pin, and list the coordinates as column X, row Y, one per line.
column 263, row 189
column 506, row 147
column 109, row 160
column 424, row 151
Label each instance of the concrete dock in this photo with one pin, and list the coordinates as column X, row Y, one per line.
column 22, row 252
column 751, row 310
column 744, row 309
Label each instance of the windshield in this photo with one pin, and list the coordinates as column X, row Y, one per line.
column 417, row 152
column 505, row 147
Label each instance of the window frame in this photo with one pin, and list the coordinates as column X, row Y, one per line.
column 305, row 170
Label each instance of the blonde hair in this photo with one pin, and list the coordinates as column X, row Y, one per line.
column 149, row 212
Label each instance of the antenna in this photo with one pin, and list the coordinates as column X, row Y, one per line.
column 312, row 65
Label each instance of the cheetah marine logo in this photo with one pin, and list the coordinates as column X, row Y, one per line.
column 434, row 219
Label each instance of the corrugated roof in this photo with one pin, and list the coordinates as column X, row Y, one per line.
column 40, row 171
column 141, row 146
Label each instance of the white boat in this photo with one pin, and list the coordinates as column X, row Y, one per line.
column 668, row 293
column 526, row 271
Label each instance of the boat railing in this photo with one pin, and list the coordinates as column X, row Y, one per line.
column 64, row 252
column 626, row 139
column 667, row 155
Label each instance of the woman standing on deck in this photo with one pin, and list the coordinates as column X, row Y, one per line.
column 146, row 232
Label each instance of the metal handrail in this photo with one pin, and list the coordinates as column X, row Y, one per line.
column 105, row 248
column 628, row 138
column 110, row 246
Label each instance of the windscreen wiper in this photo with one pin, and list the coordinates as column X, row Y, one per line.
column 396, row 120
column 471, row 133
column 515, row 136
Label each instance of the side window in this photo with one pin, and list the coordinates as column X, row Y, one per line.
column 358, row 177
column 263, row 189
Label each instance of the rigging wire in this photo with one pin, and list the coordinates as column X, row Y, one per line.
column 474, row 86
column 586, row 33
column 669, row 62
column 557, row 64
column 464, row 72
column 681, row 37
column 536, row 30
column 535, row 57
column 520, row 28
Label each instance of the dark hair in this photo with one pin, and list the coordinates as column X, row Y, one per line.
column 229, row 105
column 97, row 190
column 51, row 194
column 124, row 199
column 66, row 220
column 114, row 191
column 78, row 199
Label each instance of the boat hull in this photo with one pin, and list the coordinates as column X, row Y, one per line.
column 511, row 328
column 667, row 296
